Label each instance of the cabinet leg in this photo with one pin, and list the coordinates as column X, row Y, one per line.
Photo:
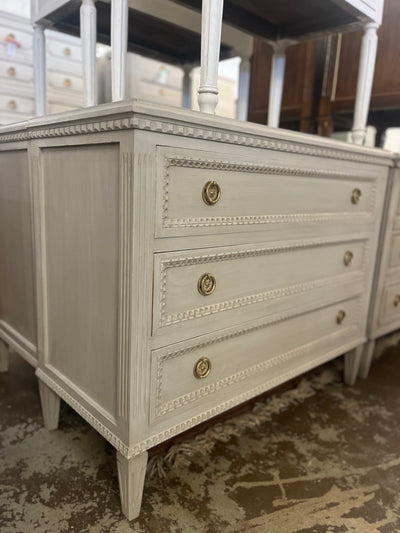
column 50, row 402
column 352, row 362
column 366, row 359
column 131, row 474
column 4, row 350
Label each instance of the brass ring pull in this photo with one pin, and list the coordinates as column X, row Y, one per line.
column 206, row 284
column 348, row 258
column 11, row 71
column 211, row 193
column 355, row 196
column 67, row 82
column 396, row 301
column 202, row 368
column 67, row 51
column 12, row 104
column 340, row 316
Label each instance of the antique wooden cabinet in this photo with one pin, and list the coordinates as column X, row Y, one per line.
column 160, row 266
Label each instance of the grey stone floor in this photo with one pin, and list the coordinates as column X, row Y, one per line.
column 329, row 464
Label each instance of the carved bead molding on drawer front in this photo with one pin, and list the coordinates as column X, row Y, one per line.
column 169, row 319
column 162, row 408
column 254, row 168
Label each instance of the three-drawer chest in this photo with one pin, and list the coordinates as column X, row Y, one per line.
column 160, row 266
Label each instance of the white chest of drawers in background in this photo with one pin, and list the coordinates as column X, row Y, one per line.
column 64, row 70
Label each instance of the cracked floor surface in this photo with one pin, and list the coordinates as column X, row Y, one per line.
column 329, row 464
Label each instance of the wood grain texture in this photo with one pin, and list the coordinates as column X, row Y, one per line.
column 81, row 239
column 17, row 291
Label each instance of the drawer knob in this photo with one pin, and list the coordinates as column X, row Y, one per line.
column 355, row 196
column 67, row 82
column 67, row 51
column 340, row 316
column 12, row 104
column 396, row 301
column 211, row 193
column 206, row 284
column 11, row 71
column 348, row 258
column 202, row 368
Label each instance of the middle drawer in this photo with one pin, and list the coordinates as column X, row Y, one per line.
column 200, row 291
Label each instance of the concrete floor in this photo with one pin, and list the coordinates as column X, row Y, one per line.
column 329, row 464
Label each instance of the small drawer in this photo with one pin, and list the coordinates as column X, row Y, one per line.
column 390, row 307
column 157, row 92
column 204, row 192
column 17, row 105
column 203, row 374
column 201, row 291
column 15, row 71
column 64, row 50
column 65, row 82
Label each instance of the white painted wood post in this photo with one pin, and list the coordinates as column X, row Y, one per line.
column 243, row 89
column 88, row 38
column 366, row 69
column 39, row 68
column 119, row 47
column 187, row 87
column 211, row 23
column 276, row 83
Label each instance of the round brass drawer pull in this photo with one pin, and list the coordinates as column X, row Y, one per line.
column 340, row 317
column 67, row 82
column 211, row 193
column 11, row 71
column 206, row 284
column 355, row 196
column 396, row 301
column 67, row 51
column 202, row 368
column 12, row 104
column 348, row 258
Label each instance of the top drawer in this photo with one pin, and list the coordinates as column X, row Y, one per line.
column 201, row 192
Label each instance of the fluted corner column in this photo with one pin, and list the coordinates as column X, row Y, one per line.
column 244, row 88
column 39, row 68
column 88, row 38
column 366, row 69
column 276, row 83
column 119, row 48
column 187, row 87
column 211, row 23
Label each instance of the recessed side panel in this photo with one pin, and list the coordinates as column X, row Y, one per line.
column 81, row 223
column 17, row 294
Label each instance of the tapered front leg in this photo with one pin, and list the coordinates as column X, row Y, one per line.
column 4, row 351
column 131, row 475
column 50, row 406
column 352, row 362
column 366, row 359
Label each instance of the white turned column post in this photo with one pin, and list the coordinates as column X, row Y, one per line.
column 364, row 82
column 119, row 46
column 243, row 89
column 276, row 82
column 88, row 38
column 211, row 23
column 187, row 87
column 39, row 68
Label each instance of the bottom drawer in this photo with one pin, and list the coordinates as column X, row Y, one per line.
column 218, row 373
